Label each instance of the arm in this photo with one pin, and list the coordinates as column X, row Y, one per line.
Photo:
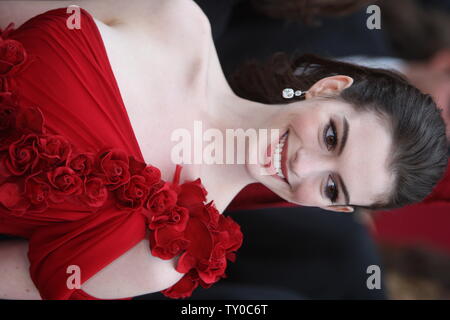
column 15, row 280
column 167, row 21
column 134, row 273
column 107, row 11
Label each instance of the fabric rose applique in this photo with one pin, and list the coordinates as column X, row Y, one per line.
column 181, row 223
column 39, row 170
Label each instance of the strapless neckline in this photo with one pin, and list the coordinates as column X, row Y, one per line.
column 116, row 85
column 73, row 180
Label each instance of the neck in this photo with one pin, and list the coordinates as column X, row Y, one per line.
column 225, row 110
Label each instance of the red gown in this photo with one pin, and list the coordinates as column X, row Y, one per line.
column 72, row 176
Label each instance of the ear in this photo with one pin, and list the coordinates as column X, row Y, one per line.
column 339, row 208
column 329, row 86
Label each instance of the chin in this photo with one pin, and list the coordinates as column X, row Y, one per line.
column 272, row 171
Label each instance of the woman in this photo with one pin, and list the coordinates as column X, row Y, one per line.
column 94, row 206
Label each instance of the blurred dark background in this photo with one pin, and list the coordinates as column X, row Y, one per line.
column 292, row 252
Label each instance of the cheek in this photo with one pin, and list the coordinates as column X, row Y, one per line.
column 308, row 192
column 306, row 128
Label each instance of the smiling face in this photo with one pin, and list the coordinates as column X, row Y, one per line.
column 333, row 156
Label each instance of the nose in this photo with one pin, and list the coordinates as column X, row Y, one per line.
column 306, row 162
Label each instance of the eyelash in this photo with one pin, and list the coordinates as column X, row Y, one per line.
column 332, row 195
column 325, row 131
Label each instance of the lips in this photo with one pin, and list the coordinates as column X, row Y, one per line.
column 271, row 153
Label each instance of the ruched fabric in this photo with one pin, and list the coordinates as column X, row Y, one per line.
column 73, row 180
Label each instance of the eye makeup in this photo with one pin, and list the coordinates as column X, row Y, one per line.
column 330, row 139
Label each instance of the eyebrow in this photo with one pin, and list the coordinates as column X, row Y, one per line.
column 341, row 147
column 344, row 189
column 344, row 135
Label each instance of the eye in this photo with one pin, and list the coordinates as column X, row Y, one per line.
column 330, row 136
column 331, row 190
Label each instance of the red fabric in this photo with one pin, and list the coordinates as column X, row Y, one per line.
column 70, row 79
column 73, row 180
column 426, row 223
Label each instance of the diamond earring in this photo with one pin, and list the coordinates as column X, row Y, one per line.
column 289, row 93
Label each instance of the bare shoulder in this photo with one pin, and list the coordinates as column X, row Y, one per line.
column 134, row 273
column 188, row 11
column 178, row 39
column 179, row 24
column 182, row 24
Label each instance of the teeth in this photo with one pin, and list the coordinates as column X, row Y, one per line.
column 277, row 156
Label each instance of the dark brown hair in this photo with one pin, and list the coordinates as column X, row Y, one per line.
column 419, row 150
column 308, row 11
